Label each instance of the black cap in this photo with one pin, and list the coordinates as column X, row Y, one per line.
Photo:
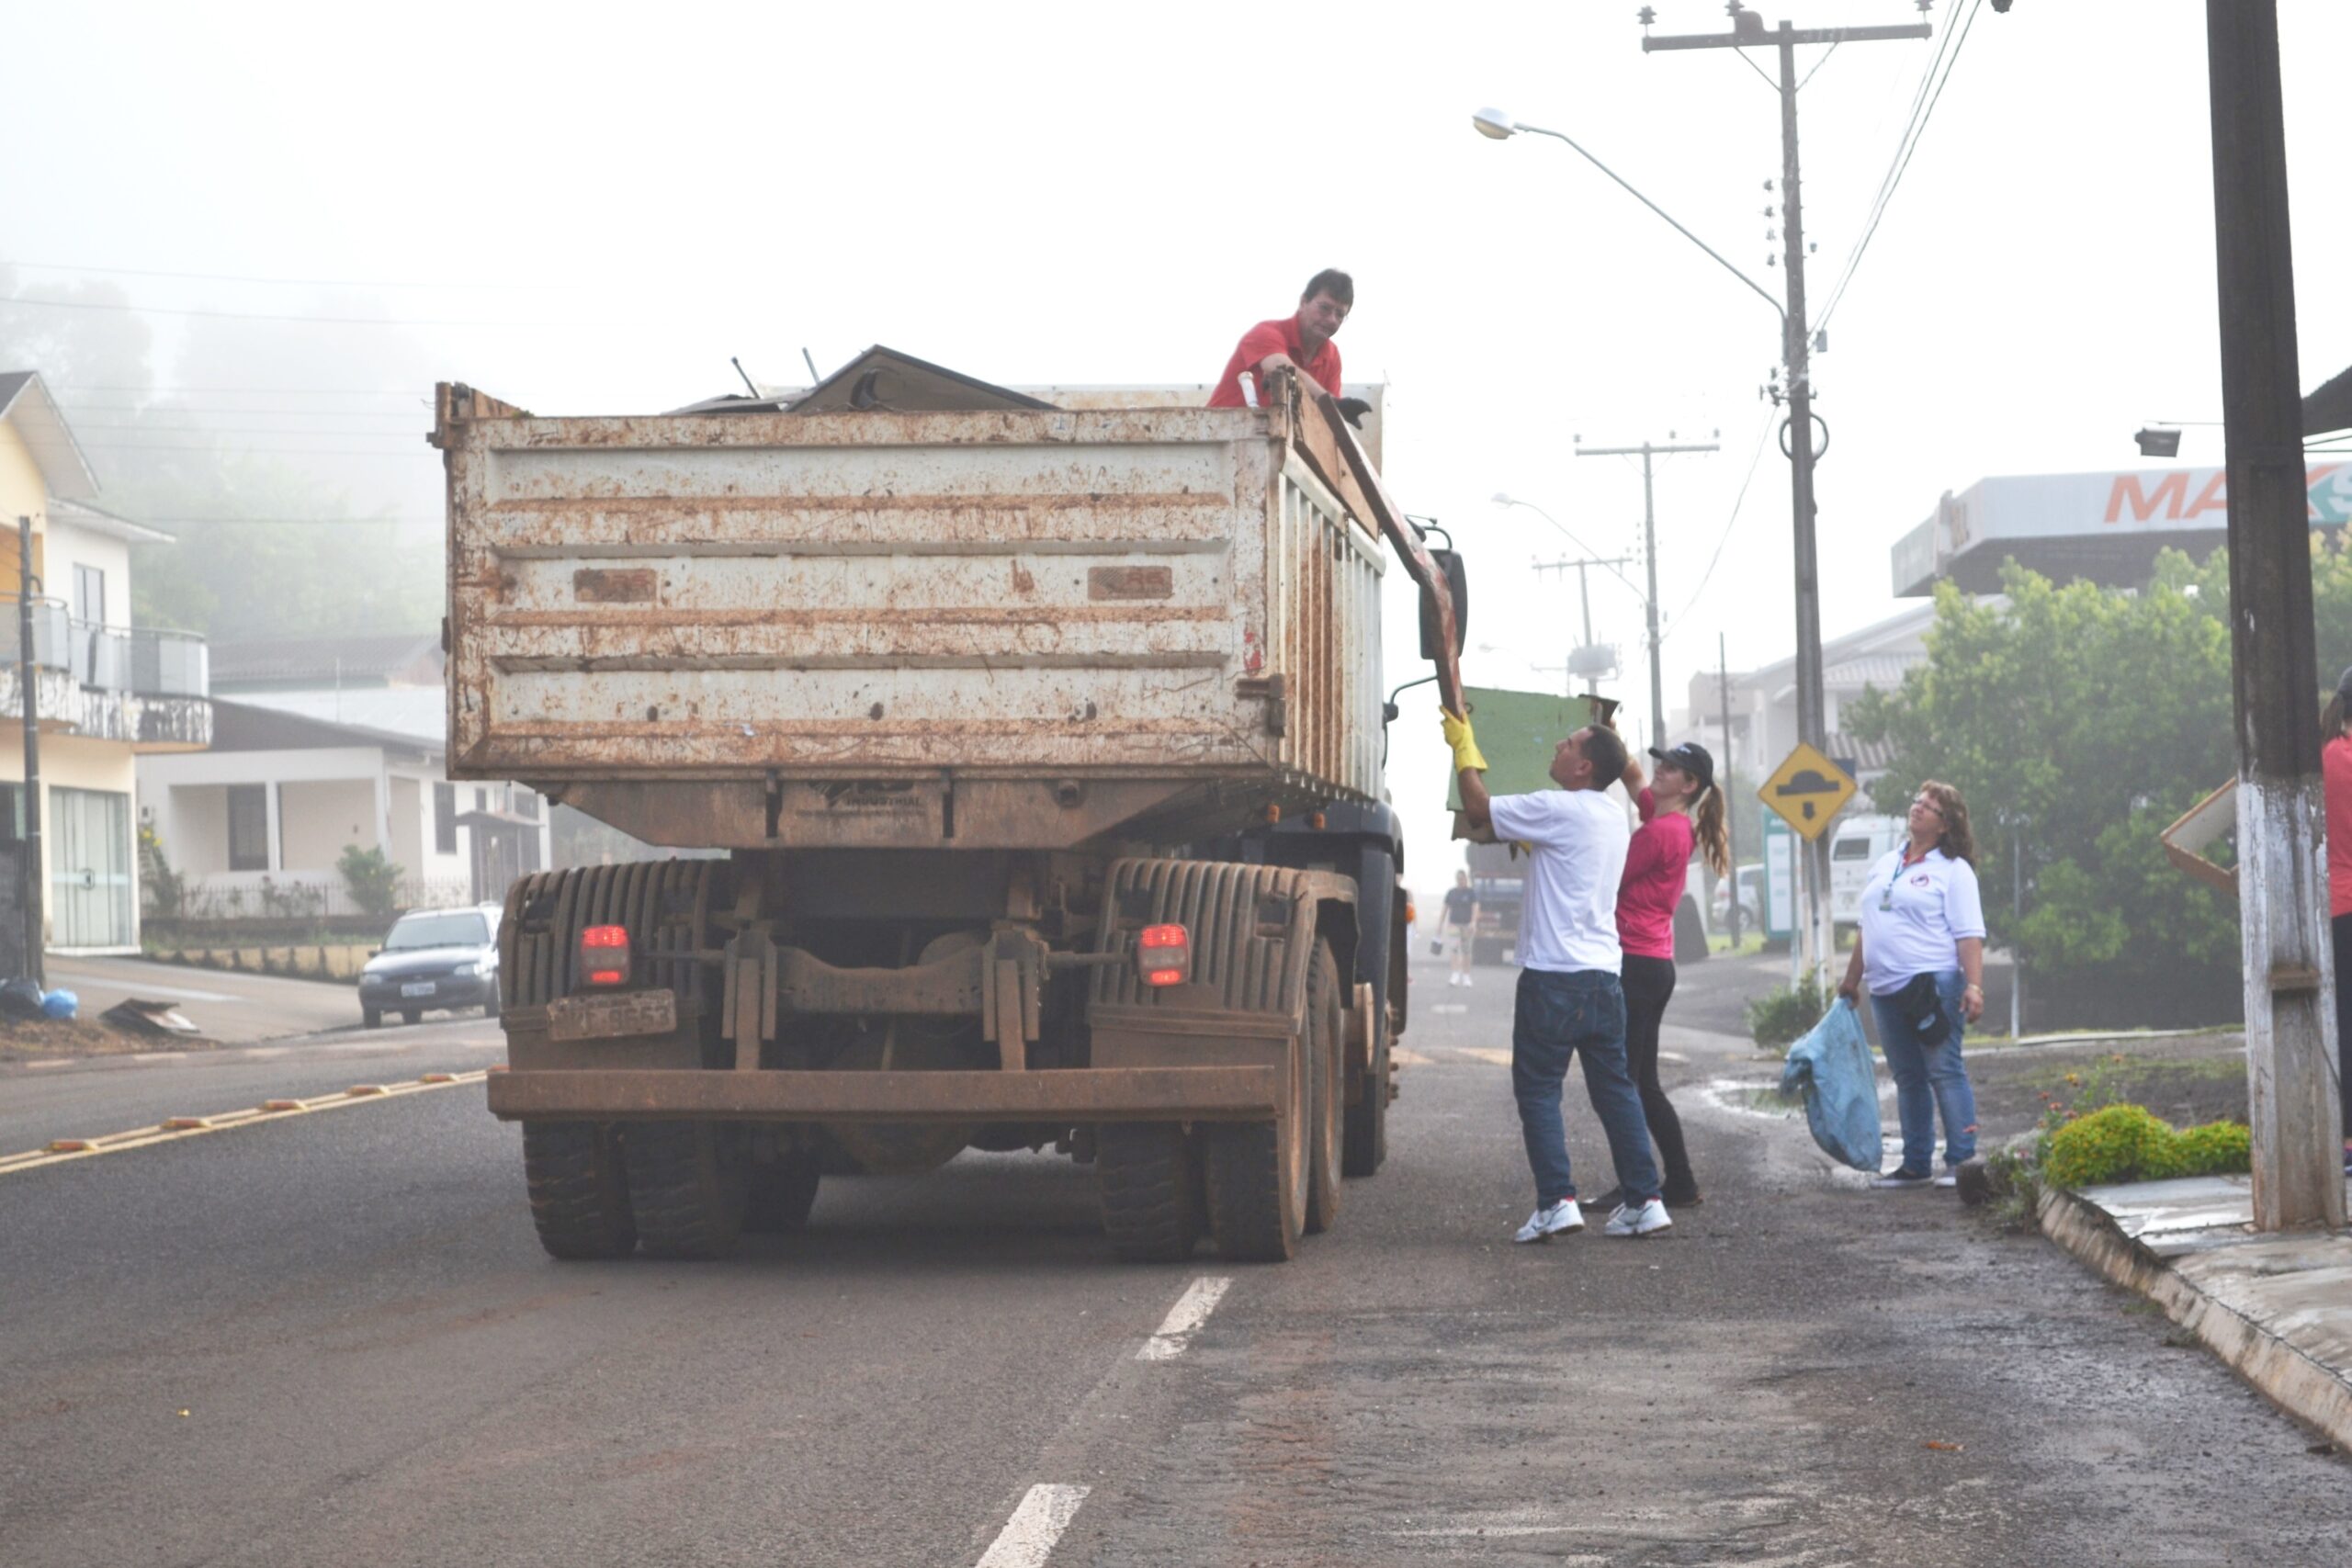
column 1692, row 759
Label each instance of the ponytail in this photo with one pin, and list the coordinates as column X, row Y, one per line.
column 1712, row 831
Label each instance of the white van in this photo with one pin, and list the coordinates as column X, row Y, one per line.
column 1855, row 845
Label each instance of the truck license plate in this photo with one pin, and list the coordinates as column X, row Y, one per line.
column 613, row 1015
column 417, row 988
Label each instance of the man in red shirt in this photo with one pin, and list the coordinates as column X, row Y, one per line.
column 1300, row 342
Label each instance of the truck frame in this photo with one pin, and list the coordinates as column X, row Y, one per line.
column 1044, row 749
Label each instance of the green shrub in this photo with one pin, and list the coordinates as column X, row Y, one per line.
column 1780, row 1017
column 2218, row 1148
column 372, row 880
column 2129, row 1143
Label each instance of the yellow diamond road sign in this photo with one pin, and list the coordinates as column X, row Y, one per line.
column 1808, row 790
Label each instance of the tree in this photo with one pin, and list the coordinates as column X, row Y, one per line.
column 174, row 459
column 2079, row 722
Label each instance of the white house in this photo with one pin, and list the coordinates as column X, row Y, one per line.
column 257, row 825
column 1763, row 727
column 105, row 692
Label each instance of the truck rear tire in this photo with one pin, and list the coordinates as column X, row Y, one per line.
column 688, row 1202
column 778, row 1197
column 1257, row 1176
column 1327, row 1090
column 1365, row 1140
column 1150, row 1180
column 579, row 1194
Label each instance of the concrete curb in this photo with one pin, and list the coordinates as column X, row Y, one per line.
column 2298, row 1383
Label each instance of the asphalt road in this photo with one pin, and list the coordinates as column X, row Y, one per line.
column 333, row 1338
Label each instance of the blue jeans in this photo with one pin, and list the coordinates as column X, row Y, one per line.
column 1558, row 1016
column 1928, row 1079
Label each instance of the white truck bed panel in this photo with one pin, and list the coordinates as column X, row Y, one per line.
column 1164, row 593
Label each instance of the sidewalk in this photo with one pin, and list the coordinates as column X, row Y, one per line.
column 2278, row 1308
column 233, row 1008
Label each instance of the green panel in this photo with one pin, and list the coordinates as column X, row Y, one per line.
column 1518, row 732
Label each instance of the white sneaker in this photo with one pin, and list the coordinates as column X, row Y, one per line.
column 1647, row 1220
column 1553, row 1219
column 1465, row 982
column 1947, row 1178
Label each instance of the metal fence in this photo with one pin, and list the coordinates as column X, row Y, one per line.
column 297, row 894
column 143, row 661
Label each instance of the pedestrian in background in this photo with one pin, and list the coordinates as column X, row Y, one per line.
column 2335, row 771
column 1461, row 921
column 1569, row 1003
column 1681, row 807
column 1921, row 952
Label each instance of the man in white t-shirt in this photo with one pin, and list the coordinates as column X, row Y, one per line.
column 1569, row 1000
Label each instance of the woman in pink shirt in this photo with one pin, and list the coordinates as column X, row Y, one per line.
column 1681, row 807
column 2336, row 774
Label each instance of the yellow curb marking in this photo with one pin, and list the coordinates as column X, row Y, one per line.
column 1407, row 1058
column 1486, row 1054
column 60, row 1150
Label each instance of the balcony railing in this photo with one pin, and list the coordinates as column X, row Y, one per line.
column 142, row 661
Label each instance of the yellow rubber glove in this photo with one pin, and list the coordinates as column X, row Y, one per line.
column 1464, row 744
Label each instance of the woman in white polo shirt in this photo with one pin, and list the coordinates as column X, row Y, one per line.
column 1921, row 952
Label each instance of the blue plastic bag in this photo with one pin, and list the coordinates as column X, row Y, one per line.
column 1831, row 1067
column 60, row 1004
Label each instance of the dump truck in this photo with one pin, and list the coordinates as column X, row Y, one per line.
column 1019, row 772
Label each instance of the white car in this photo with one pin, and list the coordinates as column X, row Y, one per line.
column 1750, row 879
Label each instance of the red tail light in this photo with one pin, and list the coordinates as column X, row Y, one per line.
column 1164, row 954
column 604, row 955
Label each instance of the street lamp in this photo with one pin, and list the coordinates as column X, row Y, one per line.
column 1796, row 364
column 1495, row 124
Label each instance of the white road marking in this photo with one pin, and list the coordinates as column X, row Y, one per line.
column 146, row 989
column 1028, row 1538
column 1450, row 1007
column 1185, row 1319
column 1672, row 1056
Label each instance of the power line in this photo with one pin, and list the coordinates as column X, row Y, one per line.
column 288, row 522
column 279, row 316
column 214, row 450
column 82, row 424
column 247, row 277
column 1725, row 537
column 158, row 411
column 255, row 391
column 1854, row 262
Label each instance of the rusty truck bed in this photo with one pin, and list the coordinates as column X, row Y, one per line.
column 869, row 627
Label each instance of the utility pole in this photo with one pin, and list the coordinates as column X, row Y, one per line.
column 28, row 698
column 1750, row 32
column 2292, row 1052
column 1584, row 595
column 1731, row 817
column 1649, row 551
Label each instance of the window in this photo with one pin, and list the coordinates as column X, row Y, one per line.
column 524, row 803
column 90, row 594
column 458, row 929
column 248, row 827
column 445, row 820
